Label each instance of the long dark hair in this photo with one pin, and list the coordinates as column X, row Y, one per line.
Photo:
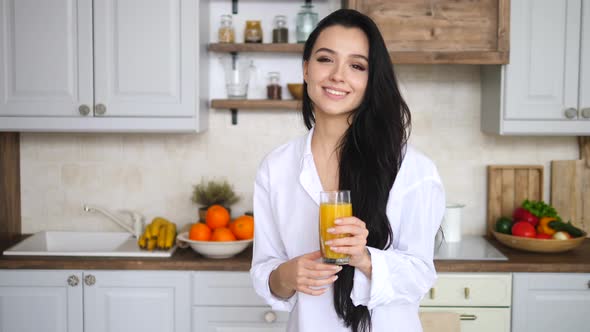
column 371, row 150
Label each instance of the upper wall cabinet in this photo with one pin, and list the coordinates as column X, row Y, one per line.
column 545, row 90
column 103, row 65
column 442, row 31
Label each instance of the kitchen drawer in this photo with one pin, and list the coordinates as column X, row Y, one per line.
column 224, row 288
column 238, row 319
column 470, row 289
column 479, row 319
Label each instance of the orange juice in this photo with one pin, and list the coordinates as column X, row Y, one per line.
column 328, row 213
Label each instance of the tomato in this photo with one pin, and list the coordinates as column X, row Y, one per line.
column 543, row 236
column 523, row 228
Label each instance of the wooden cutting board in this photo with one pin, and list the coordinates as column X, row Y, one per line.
column 570, row 187
column 509, row 186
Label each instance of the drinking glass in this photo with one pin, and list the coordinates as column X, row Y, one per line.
column 237, row 76
column 333, row 205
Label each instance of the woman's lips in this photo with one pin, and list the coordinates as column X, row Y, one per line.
column 334, row 93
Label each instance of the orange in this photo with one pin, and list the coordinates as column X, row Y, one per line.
column 217, row 216
column 243, row 227
column 222, row 234
column 199, row 232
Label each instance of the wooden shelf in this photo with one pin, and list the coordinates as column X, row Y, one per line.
column 275, row 48
column 259, row 104
column 450, row 57
column 400, row 57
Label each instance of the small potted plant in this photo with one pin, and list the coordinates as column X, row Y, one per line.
column 213, row 192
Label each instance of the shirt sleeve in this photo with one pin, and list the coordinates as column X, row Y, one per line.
column 404, row 272
column 269, row 251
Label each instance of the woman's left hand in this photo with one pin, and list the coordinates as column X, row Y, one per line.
column 353, row 245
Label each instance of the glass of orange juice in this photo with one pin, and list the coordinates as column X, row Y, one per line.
column 333, row 205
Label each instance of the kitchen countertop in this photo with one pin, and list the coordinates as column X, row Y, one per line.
column 577, row 260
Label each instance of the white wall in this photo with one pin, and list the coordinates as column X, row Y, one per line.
column 155, row 173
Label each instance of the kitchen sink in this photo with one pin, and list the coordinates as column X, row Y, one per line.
column 105, row 244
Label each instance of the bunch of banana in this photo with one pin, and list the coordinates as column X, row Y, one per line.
column 160, row 233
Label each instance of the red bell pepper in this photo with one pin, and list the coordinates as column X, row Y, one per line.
column 522, row 214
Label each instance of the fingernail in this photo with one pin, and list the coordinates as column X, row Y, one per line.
column 330, row 230
column 335, row 278
column 337, row 221
column 328, row 243
column 334, row 248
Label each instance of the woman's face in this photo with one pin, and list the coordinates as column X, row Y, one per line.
column 338, row 70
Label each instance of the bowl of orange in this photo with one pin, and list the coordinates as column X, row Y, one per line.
column 215, row 249
column 219, row 237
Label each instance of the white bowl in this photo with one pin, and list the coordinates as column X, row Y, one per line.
column 215, row 249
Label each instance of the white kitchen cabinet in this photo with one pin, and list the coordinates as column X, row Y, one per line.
column 76, row 301
column 226, row 301
column 103, row 65
column 33, row 301
column 551, row 302
column 481, row 299
column 239, row 319
column 121, row 301
column 545, row 88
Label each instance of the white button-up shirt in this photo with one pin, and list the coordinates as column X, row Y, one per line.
column 286, row 210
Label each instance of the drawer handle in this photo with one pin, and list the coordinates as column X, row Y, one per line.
column 467, row 292
column 467, row 317
column 431, row 293
column 270, row 316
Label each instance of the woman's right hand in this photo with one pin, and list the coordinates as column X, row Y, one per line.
column 303, row 274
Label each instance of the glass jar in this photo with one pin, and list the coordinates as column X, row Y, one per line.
column 307, row 19
column 280, row 33
column 253, row 32
column 226, row 30
column 273, row 89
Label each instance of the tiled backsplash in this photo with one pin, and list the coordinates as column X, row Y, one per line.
column 154, row 173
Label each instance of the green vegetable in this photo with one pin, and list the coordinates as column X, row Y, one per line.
column 567, row 227
column 504, row 225
column 540, row 209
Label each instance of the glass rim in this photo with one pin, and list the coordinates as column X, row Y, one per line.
column 334, row 191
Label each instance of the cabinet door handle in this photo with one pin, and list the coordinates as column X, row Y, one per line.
column 89, row 280
column 571, row 113
column 84, row 110
column 467, row 317
column 467, row 292
column 100, row 109
column 73, row 280
column 432, row 293
column 270, row 316
column 586, row 113
column 588, row 284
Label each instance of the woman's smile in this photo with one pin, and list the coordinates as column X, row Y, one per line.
column 335, row 93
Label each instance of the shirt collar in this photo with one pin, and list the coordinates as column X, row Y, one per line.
column 307, row 147
column 308, row 177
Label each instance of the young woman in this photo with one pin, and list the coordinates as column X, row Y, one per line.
column 358, row 128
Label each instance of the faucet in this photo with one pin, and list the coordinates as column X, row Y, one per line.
column 136, row 219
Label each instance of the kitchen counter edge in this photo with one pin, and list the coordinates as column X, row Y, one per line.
column 575, row 261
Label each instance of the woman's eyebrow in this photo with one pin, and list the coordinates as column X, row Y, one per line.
column 334, row 52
